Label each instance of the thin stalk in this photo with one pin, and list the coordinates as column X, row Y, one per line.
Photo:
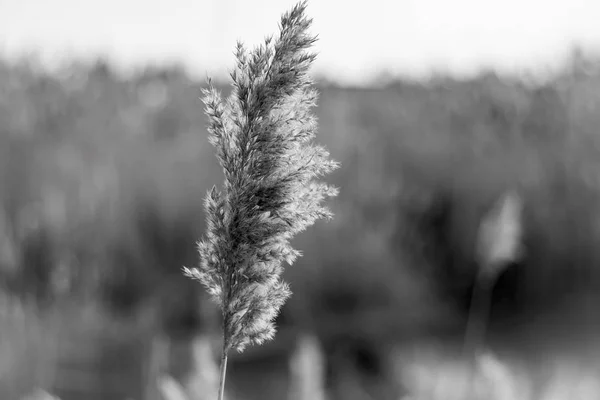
column 222, row 373
column 477, row 321
column 478, row 313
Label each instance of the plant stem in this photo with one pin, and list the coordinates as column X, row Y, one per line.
column 222, row 373
column 478, row 314
column 476, row 323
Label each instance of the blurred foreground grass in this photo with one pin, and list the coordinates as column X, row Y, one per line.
column 424, row 369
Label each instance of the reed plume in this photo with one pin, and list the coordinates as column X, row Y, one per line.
column 263, row 134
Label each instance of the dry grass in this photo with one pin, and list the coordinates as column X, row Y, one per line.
column 27, row 349
column 32, row 344
column 434, row 372
column 431, row 374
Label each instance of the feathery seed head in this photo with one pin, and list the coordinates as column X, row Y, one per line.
column 263, row 136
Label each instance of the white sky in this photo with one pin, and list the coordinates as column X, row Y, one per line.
column 357, row 38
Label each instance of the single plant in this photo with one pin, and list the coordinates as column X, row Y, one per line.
column 500, row 242
column 263, row 136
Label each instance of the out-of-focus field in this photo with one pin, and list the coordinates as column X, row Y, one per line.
column 102, row 180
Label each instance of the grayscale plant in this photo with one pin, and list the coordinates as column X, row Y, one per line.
column 263, row 135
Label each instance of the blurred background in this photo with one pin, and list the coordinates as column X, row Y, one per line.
column 435, row 110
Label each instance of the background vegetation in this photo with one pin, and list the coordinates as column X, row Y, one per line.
column 102, row 179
